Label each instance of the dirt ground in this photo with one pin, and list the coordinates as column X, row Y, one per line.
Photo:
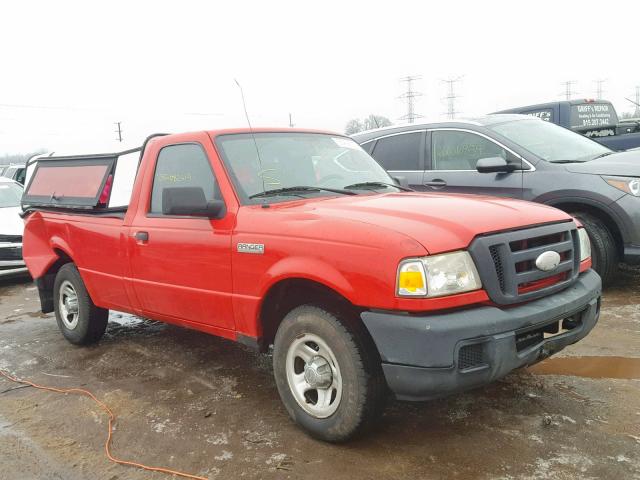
column 197, row 403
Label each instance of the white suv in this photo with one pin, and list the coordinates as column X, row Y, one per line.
column 11, row 228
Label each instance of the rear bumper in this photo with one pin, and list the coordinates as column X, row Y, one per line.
column 430, row 356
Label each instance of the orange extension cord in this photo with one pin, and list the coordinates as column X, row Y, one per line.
column 112, row 419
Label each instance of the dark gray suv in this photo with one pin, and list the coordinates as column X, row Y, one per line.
column 524, row 157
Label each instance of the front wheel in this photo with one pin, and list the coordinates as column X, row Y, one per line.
column 328, row 373
column 604, row 254
column 78, row 318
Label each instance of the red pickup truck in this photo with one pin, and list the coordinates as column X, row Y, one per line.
column 300, row 240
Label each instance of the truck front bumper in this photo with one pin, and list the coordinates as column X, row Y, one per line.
column 11, row 262
column 434, row 355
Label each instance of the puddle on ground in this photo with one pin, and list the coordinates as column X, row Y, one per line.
column 591, row 367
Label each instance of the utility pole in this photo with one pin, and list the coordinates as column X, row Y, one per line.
column 410, row 96
column 599, row 89
column 451, row 96
column 568, row 93
column 291, row 125
column 119, row 131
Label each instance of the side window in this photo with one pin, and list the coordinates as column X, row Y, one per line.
column 20, row 176
column 399, row 152
column 453, row 150
column 184, row 165
column 368, row 146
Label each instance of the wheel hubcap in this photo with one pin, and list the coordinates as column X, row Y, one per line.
column 313, row 375
column 317, row 373
column 68, row 303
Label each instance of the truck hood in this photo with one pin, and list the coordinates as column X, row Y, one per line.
column 10, row 221
column 439, row 222
column 622, row 164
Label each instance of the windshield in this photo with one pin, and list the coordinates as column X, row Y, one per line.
column 295, row 160
column 550, row 142
column 10, row 195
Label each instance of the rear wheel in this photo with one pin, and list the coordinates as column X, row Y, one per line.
column 78, row 318
column 328, row 373
column 604, row 254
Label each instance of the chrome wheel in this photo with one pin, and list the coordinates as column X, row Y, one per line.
column 68, row 303
column 313, row 375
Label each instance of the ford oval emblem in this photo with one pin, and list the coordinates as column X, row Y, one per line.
column 548, row 261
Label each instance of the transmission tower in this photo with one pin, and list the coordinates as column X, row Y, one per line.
column 409, row 96
column 568, row 93
column 451, row 96
column 599, row 90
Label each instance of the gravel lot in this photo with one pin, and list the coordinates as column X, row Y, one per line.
column 204, row 405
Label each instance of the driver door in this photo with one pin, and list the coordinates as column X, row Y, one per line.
column 452, row 155
column 181, row 264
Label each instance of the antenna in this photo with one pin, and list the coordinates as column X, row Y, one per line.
column 255, row 143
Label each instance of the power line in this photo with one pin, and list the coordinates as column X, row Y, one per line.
column 451, row 96
column 409, row 96
column 568, row 92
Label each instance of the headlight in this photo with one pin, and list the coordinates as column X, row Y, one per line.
column 585, row 244
column 627, row 185
column 437, row 275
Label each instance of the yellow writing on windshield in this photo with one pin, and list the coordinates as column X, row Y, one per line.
column 175, row 177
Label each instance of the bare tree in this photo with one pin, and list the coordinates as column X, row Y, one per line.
column 376, row 121
column 372, row 121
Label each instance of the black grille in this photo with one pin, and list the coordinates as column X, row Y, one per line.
column 10, row 239
column 11, row 253
column 471, row 356
column 497, row 261
column 506, row 262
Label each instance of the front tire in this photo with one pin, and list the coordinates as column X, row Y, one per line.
column 78, row 318
column 328, row 373
column 604, row 254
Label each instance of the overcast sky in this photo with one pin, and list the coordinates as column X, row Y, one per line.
column 69, row 70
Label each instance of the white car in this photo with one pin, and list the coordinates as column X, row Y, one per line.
column 11, row 228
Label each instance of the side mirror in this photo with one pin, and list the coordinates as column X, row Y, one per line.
column 494, row 165
column 190, row 201
column 402, row 181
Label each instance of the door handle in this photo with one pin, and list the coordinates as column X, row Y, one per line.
column 141, row 237
column 436, row 183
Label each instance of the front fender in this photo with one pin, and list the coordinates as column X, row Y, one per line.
column 307, row 268
column 603, row 204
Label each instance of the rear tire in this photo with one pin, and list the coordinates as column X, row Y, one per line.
column 604, row 254
column 78, row 318
column 328, row 373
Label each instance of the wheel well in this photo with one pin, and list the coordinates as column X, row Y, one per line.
column 45, row 282
column 291, row 293
column 601, row 215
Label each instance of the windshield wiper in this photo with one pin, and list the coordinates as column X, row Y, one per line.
column 567, row 161
column 605, row 154
column 377, row 184
column 299, row 189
